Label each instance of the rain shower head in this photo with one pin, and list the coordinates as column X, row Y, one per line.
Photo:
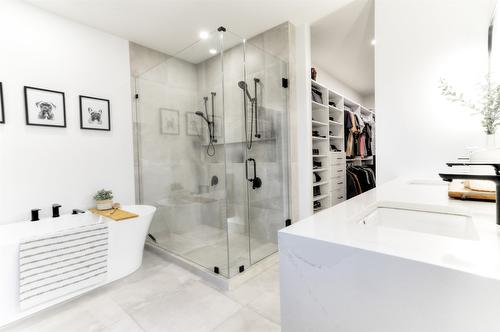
column 243, row 86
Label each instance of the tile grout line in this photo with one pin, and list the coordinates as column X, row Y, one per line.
column 128, row 314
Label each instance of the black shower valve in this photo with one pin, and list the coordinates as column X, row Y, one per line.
column 256, row 183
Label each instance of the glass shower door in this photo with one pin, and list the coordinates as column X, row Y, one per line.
column 267, row 159
column 234, row 125
column 181, row 160
column 215, row 169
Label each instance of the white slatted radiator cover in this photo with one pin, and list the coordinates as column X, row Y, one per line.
column 60, row 263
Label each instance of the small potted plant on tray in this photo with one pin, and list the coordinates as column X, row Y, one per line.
column 104, row 199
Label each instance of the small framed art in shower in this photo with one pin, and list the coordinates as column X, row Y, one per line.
column 169, row 121
column 193, row 124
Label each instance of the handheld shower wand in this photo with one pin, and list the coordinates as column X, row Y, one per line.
column 249, row 139
column 254, row 111
column 210, row 125
column 202, row 116
column 243, row 86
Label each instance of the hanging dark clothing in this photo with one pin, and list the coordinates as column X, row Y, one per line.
column 359, row 179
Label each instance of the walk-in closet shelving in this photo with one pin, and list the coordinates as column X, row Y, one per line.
column 337, row 154
column 320, row 144
column 329, row 145
column 361, row 159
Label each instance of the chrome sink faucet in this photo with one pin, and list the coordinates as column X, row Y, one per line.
column 487, row 177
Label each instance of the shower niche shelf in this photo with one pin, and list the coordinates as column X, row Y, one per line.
column 255, row 140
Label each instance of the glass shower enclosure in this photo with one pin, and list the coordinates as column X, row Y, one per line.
column 211, row 146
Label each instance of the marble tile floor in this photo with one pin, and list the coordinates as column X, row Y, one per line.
column 162, row 296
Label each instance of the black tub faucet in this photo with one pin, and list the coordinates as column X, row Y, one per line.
column 35, row 215
column 77, row 211
column 487, row 177
column 55, row 210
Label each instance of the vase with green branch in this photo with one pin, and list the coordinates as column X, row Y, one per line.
column 488, row 107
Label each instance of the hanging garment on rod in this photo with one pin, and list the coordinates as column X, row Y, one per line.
column 352, row 130
column 359, row 179
column 369, row 139
column 359, row 135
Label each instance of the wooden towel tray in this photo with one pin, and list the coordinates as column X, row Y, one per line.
column 116, row 215
column 459, row 190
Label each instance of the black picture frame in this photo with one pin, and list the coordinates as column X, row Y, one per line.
column 2, row 110
column 108, row 114
column 27, row 110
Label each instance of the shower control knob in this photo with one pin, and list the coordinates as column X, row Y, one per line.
column 256, row 183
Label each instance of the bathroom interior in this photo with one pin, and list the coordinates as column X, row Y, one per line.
column 249, row 166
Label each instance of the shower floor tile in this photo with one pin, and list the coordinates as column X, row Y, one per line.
column 207, row 246
column 162, row 296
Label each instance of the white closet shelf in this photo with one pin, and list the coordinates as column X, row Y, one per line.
column 333, row 108
column 320, row 156
column 320, row 170
column 318, row 85
column 318, row 107
column 335, row 123
column 336, row 136
column 319, row 123
column 320, row 209
column 319, row 183
column 320, row 197
column 319, row 138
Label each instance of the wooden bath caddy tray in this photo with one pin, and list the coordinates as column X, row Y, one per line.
column 459, row 190
column 116, row 215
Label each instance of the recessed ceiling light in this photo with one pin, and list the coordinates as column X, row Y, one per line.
column 204, row 35
column 212, row 51
column 374, row 42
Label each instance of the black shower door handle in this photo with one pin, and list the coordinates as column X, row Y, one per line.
column 254, row 169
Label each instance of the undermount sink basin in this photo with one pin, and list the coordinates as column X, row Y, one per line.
column 452, row 225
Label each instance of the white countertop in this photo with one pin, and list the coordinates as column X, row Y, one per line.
column 340, row 225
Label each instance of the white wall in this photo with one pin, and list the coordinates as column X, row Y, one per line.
column 300, row 124
column 41, row 165
column 419, row 41
column 369, row 101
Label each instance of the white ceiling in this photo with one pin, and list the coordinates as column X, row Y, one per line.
column 341, row 45
column 171, row 25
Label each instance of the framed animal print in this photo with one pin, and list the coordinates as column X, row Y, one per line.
column 44, row 107
column 2, row 111
column 95, row 113
column 169, row 121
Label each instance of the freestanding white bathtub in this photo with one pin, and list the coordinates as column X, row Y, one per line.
column 46, row 243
